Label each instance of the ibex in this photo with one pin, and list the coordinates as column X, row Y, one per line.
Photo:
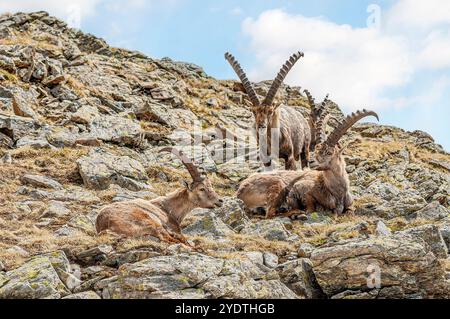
column 160, row 217
column 290, row 125
column 328, row 184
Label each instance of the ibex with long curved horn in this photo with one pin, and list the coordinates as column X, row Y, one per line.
column 289, row 125
column 328, row 184
column 160, row 217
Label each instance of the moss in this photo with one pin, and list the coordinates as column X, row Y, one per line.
column 9, row 76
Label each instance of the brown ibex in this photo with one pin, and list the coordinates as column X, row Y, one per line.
column 327, row 185
column 286, row 122
column 162, row 216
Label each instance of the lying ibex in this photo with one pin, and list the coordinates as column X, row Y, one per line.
column 328, row 184
column 290, row 125
column 160, row 217
column 260, row 190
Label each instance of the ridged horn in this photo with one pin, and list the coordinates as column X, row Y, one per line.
column 348, row 122
column 280, row 78
column 321, row 127
column 192, row 169
column 243, row 77
column 311, row 101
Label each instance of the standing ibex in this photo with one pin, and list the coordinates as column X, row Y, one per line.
column 328, row 184
column 290, row 125
column 160, row 217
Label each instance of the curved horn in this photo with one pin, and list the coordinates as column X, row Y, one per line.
column 349, row 121
column 192, row 169
column 280, row 200
column 311, row 100
column 280, row 78
column 243, row 77
column 317, row 112
column 321, row 127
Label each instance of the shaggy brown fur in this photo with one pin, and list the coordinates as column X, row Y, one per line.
column 261, row 189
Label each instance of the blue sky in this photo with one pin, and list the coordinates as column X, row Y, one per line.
column 394, row 59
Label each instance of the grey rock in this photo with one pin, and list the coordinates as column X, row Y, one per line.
column 445, row 233
column 268, row 229
column 298, row 275
column 203, row 222
column 405, row 262
column 37, row 278
column 114, row 129
column 432, row 236
column 40, row 181
column 232, row 213
column 55, row 209
column 84, row 223
column 83, row 295
column 18, row 251
column 270, row 259
column 433, row 211
column 94, row 255
column 178, row 275
column 100, row 169
column 382, row 229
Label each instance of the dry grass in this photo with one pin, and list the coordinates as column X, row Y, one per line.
column 241, row 242
column 318, row 234
column 379, row 151
column 25, row 38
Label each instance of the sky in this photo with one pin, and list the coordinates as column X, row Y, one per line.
column 391, row 56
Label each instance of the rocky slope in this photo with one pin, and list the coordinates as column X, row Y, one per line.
column 80, row 126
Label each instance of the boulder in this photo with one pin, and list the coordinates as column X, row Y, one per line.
column 432, row 236
column 273, row 230
column 40, row 181
column 298, row 275
column 192, row 275
column 203, row 222
column 396, row 266
column 41, row 277
column 100, row 169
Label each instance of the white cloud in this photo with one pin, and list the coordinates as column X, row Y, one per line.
column 419, row 14
column 436, row 51
column 60, row 9
column 356, row 65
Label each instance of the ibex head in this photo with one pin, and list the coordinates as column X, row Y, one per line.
column 264, row 110
column 328, row 150
column 201, row 192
